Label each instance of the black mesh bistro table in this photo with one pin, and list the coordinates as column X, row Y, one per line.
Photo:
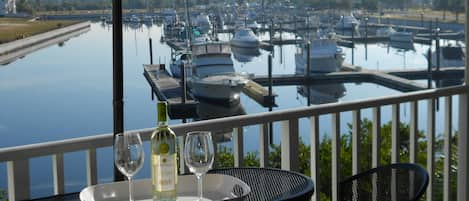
column 272, row 184
column 266, row 185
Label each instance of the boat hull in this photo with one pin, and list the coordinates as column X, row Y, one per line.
column 224, row 89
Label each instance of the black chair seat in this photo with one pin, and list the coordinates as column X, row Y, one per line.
column 395, row 182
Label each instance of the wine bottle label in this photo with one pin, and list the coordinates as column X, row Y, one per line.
column 165, row 172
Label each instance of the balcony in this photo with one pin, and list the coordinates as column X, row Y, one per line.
column 18, row 168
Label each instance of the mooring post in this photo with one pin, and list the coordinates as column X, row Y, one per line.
column 437, row 46
column 151, row 51
column 271, row 126
column 429, row 67
column 366, row 30
column 183, row 82
column 353, row 48
column 308, row 62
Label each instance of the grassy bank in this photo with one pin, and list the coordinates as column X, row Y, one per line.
column 13, row 28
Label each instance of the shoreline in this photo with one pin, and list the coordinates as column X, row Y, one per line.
column 11, row 51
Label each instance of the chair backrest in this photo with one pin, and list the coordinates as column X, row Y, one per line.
column 394, row 182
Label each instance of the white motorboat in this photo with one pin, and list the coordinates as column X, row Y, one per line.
column 203, row 24
column 325, row 56
column 348, row 22
column 398, row 36
column 213, row 73
column 323, row 93
column 450, row 56
column 244, row 37
column 134, row 19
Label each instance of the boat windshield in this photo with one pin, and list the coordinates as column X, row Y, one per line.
column 215, row 48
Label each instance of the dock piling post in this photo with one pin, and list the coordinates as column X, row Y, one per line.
column 271, row 126
column 183, row 82
column 429, row 62
column 151, row 51
column 308, row 61
column 437, row 45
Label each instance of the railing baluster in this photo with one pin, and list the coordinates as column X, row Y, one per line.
column 264, row 144
column 463, row 149
column 430, row 147
column 376, row 148
column 18, row 180
column 289, row 145
column 58, row 173
column 413, row 138
column 356, row 142
column 447, row 149
column 183, row 169
column 314, row 121
column 238, row 147
column 91, row 167
column 335, row 155
column 395, row 135
column 376, row 137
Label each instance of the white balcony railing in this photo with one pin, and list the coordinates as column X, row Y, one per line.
column 17, row 158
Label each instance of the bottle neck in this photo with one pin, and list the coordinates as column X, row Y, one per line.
column 162, row 124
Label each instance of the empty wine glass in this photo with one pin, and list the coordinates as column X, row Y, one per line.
column 128, row 155
column 199, row 155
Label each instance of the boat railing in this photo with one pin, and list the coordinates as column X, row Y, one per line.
column 18, row 158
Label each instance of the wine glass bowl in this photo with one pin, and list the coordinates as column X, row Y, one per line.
column 199, row 155
column 128, row 155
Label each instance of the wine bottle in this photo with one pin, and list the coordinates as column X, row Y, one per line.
column 163, row 158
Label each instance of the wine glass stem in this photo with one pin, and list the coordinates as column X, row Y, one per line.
column 130, row 189
column 199, row 186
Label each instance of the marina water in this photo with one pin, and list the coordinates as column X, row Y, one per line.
column 65, row 91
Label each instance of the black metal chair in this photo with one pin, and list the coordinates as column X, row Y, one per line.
column 395, row 182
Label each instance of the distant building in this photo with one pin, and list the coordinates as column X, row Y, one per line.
column 2, row 7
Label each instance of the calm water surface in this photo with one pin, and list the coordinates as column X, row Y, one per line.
column 63, row 92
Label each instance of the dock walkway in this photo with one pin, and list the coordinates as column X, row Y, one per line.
column 169, row 89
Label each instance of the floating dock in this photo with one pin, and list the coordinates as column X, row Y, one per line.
column 170, row 89
column 350, row 74
column 260, row 94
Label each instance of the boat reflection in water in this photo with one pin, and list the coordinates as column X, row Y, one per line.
column 210, row 110
column 405, row 46
column 245, row 55
column 322, row 93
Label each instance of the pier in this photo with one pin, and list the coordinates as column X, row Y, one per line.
column 170, row 89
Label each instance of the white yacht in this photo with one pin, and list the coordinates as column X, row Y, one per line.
column 244, row 37
column 348, row 22
column 202, row 22
column 213, row 73
column 398, row 36
column 134, row 19
column 450, row 56
column 325, row 56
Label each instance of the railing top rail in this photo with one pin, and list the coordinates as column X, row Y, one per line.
column 104, row 140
